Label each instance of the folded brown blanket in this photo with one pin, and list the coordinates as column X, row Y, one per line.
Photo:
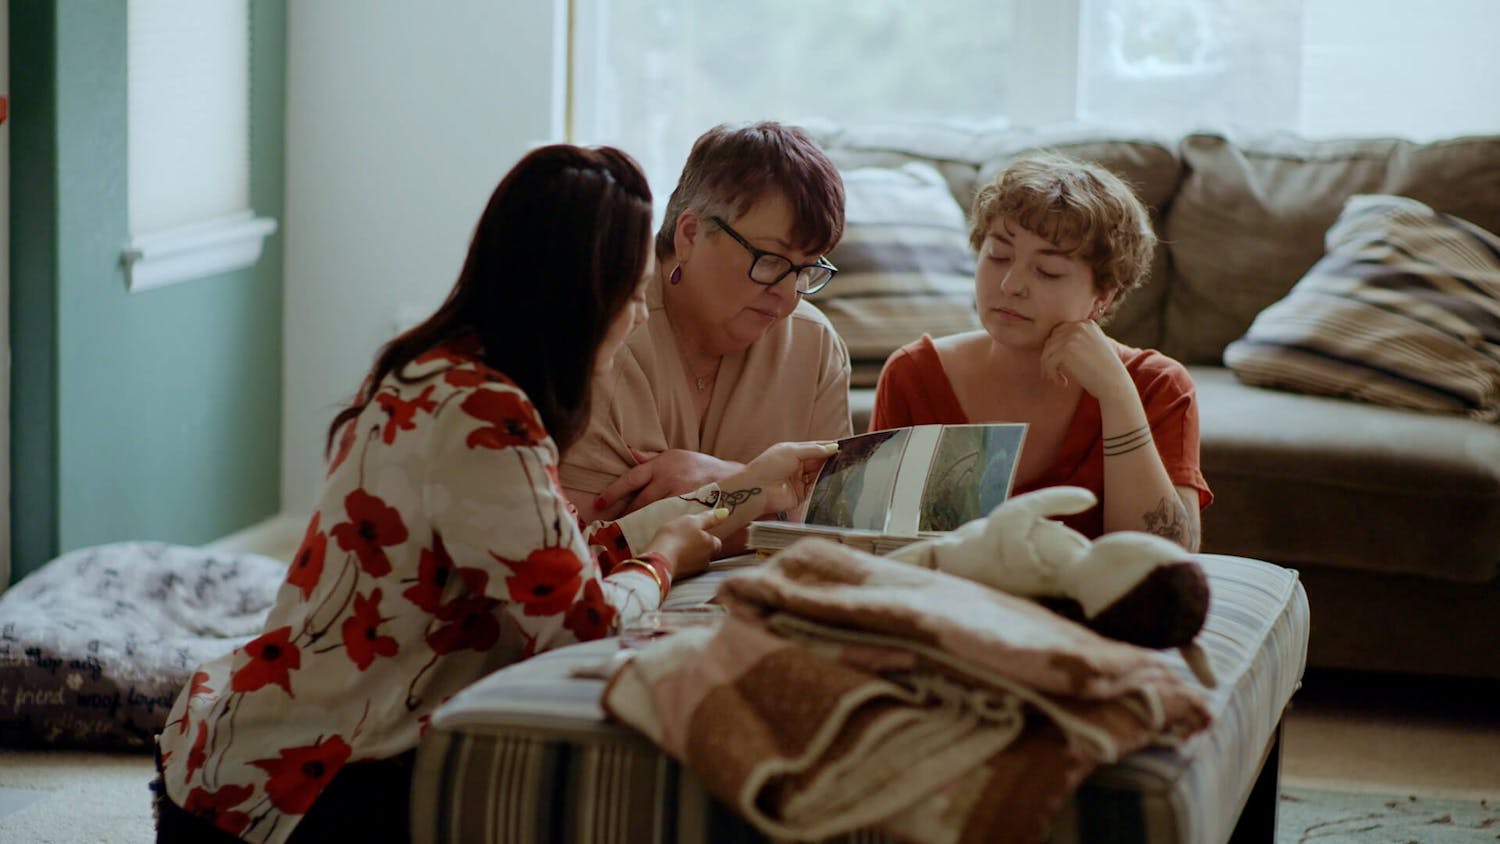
column 847, row 690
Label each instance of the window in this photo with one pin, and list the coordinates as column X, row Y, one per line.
column 650, row 75
column 189, row 142
column 1188, row 64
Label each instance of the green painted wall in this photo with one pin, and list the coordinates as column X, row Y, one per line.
column 152, row 415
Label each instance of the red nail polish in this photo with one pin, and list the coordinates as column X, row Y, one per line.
column 599, row 503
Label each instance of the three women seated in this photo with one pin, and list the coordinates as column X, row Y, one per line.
column 672, row 407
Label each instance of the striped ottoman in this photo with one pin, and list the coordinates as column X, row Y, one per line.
column 525, row 754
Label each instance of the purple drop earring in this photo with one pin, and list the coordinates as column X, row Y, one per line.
column 676, row 276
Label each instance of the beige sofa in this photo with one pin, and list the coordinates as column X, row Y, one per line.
column 1391, row 516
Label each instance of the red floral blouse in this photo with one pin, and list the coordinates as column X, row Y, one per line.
column 441, row 550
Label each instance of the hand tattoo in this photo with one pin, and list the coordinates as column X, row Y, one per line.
column 737, row 497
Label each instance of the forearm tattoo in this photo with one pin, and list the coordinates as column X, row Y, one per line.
column 737, row 497
column 1127, row 442
column 1169, row 519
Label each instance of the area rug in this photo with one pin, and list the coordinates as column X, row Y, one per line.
column 1307, row 816
column 72, row 797
column 75, row 797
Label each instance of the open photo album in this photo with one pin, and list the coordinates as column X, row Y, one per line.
column 885, row 489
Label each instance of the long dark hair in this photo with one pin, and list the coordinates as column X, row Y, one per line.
column 559, row 250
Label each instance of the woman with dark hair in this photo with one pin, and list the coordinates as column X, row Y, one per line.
column 733, row 359
column 443, row 547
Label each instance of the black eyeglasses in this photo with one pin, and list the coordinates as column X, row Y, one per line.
column 769, row 269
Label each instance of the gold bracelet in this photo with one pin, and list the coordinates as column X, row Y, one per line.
column 661, row 585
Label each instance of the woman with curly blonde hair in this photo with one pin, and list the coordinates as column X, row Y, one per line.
column 1061, row 242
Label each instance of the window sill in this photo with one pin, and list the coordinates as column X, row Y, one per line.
column 195, row 251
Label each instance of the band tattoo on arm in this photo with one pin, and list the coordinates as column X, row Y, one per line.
column 1127, row 442
column 1169, row 520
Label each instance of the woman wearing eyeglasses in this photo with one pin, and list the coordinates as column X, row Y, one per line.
column 731, row 359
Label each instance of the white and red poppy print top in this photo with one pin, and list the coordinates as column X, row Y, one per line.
column 441, row 550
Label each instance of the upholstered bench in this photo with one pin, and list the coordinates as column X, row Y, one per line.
column 526, row 755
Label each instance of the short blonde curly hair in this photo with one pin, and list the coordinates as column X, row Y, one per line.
column 1081, row 207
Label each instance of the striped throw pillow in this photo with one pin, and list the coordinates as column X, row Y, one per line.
column 905, row 266
column 1403, row 309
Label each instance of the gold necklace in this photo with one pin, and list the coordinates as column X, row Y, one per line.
column 702, row 382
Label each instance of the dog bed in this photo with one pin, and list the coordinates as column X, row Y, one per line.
column 95, row 644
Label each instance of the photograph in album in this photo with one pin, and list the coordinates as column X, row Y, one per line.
column 886, row 488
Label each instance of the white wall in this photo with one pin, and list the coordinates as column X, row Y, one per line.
column 401, row 117
column 1420, row 71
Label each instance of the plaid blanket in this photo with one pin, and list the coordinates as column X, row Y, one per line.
column 846, row 691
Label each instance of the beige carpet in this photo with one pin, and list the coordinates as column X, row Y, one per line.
column 1431, row 737
column 1348, row 733
column 76, row 798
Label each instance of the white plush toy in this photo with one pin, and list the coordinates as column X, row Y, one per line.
column 1128, row 585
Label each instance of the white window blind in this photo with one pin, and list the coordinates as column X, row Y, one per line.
column 188, row 66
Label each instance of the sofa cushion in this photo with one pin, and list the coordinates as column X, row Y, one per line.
column 1303, row 479
column 1404, row 310
column 1250, row 216
column 967, row 154
column 955, row 149
column 905, row 266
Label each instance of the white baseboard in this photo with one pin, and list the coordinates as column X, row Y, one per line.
column 276, row 537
